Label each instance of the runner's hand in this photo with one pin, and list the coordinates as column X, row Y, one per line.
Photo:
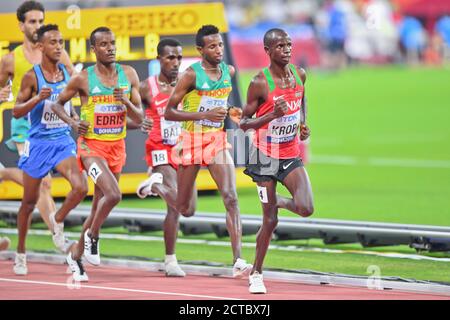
column 4, row 93
column 235, row 114
column 45, row 93
column 147, row 125
column 280, row 108
column 119, row 95
column 81, row 127
column 75, row 117
column 216, row 114
column 304, row 132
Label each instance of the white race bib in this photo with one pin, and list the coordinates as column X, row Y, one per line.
column 208, row 103
column 283, row 129
column 262, row 194
column 159, row 157
column 94, row 172
column 170, row 130
column 50, row 119
column 26, row 149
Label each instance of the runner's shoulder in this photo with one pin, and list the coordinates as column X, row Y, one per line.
column 301, row 73
column 7, row 61
column 259, row 80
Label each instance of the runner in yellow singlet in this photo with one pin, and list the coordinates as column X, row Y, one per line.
column 203, row 90
column 109, row 93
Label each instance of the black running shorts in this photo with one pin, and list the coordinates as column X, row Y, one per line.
column 261, row 167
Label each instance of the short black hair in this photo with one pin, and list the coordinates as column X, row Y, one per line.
column 45, row 28
column 167, row 42
column 99, row 29
column 28, row 6
column 205, row 30
column 269, row 35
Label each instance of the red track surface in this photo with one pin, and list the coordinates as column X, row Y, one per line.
column 50, row 281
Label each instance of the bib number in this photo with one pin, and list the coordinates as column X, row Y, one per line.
column 283, row 129
column 50, row 119
column 170, row 130
column 109, row 119
column 26, row 149
column 262, row 194
column 159, row 157
column 209, row 103
column 94, row 172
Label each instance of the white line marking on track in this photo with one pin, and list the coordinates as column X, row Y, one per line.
column 119, row 289
column 380, row 162
column 293, row 248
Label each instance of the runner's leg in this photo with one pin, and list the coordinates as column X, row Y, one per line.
column 187, row 191
column 225, row 177
column 269, row 223
column 168, row 191
column 30, row 197
column 69, row 169
column 107, row 182
column 299, row 186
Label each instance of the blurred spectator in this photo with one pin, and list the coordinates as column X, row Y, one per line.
column 443, row 29
column 381, row 27
column 337, row 34
column 412, row 39
column 434, row 51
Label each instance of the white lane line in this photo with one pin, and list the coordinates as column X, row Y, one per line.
column 293, row 248
column 81, row 286
column 380, row 162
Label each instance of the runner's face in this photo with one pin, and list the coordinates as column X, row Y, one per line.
column 34, row 19
column 280, row 49
column 212, row 51
column 52, row 45
column 105, row 47
column 170, row 61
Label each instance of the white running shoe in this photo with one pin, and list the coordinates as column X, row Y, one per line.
column 4, row 243
column 68, row 243
column 256, row 284
column 58, row 232
column 241, row 268
column 173, row 269
column 91, row 249
column 20, row 264
column 145, row 188
column 77, row 269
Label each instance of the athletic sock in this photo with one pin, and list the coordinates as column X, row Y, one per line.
column 170, row 258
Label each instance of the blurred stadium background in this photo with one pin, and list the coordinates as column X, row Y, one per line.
column 379, row 105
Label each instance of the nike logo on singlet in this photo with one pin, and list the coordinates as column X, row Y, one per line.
column 275, row 98
column 157, row 103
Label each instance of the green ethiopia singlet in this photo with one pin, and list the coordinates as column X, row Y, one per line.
column 207, row 95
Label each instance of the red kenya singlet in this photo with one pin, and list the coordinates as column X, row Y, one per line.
column 280, row 138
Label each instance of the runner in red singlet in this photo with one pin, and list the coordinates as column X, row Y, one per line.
column 155, row 92
column 276, row 96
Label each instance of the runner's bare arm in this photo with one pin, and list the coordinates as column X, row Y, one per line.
column 26, row 98
column 184, row 85
column 232, row 70
column 74, row 87
column 256, row 95
column 305, row 132
column 144, row 92
column 6, row 73
column 134, row 106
